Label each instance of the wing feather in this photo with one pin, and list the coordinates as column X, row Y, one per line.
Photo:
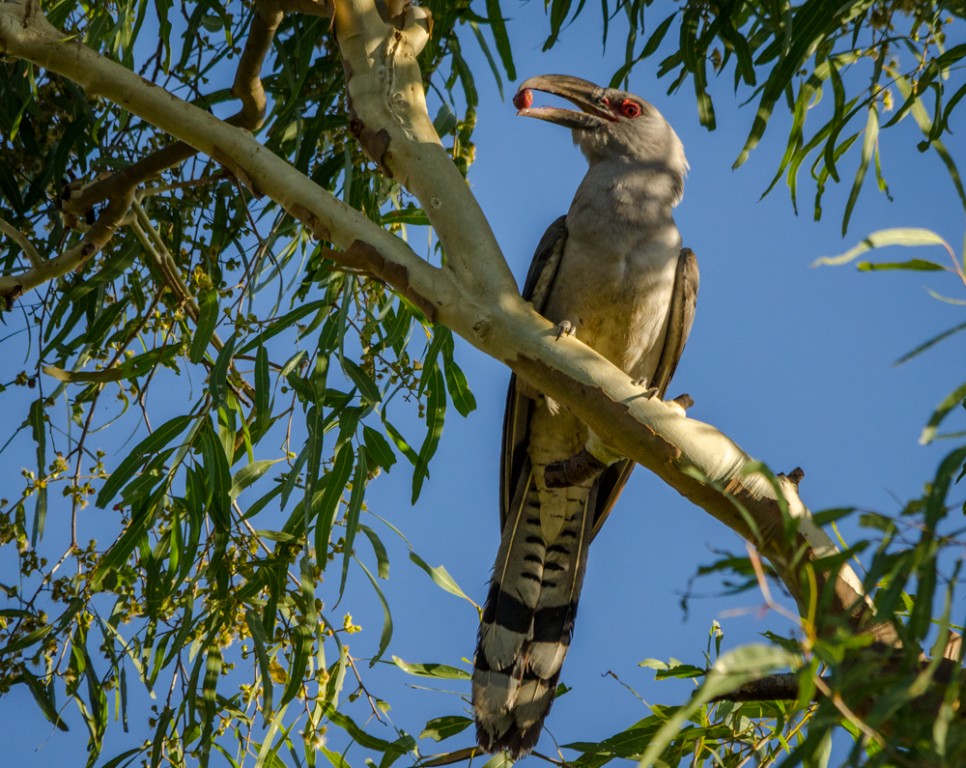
column 684, row 298
column 519, row 408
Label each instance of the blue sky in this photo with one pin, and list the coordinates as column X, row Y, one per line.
column 793, row 362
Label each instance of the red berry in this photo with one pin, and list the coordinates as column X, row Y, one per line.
column 523, row 99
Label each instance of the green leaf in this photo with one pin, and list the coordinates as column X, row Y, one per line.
column 459, row 388
column 121, row 549
column 440, row 728
column 382, row 555
column 444, row 123
column 404, row 447
column 302, row 640
column 248, row 474
column 125, row 758
column 927, row 127
column 931, row 343
column 386, row 636
column 680, row 670
column 364, row 738
column 337, row 760
column 218, row 378
column 558, row 15
column 26, row 640
column 325, row 509
column 207, row 320
column 869, row 144
column 37, row 419
column 160, row 736
column 805, row 25
column 905, row 236
column 260, row 641
column 408, row 215
column 498, row 27
column 367, row 387
column 435, row 416
column 432, row 670
column 138, row 455
column 950, row 402
column 218, row 474
column 352, row 514
column 914, row 265
column 440, row 577
column 284, row 322
column 263, row 393
column 654, row 41
column 378, row 448
column 730, row 672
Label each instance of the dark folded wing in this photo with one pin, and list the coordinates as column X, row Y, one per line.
column 684, row 299
column 680, row 319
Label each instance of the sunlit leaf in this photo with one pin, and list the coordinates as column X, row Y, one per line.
column 440, row 728
column 730, row 672
column 440, row 577
column 207, row 320
column 431, row 670
column 905, row 236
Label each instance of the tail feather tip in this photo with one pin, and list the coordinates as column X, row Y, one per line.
column 515, row 741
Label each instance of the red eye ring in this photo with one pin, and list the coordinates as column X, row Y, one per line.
column 630, row 109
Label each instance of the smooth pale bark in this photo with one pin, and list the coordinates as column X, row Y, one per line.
column 474, row 294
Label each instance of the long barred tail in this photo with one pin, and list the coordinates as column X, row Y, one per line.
column 529, row 614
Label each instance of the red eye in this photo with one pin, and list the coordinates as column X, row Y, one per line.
column 630, row 109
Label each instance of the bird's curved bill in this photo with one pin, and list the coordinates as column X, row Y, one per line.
column 588, row 97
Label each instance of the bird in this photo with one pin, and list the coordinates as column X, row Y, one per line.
column 611, row 271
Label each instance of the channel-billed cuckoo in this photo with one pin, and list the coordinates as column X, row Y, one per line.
column 613, row 272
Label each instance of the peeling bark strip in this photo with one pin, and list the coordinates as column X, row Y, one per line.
column 311, row 221
column 226, row 161
column 374, row 143
column 367, row 258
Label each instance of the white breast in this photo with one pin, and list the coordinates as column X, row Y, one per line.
column 617, row 273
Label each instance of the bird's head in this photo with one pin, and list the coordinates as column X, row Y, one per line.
column 609, row 123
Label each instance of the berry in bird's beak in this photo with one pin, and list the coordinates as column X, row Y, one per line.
column 523, row 99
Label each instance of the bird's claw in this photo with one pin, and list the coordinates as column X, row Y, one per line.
column 565, row 328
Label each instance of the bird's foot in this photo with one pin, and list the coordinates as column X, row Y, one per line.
column 649, row 392
column 576, row 470
column 565, row 328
